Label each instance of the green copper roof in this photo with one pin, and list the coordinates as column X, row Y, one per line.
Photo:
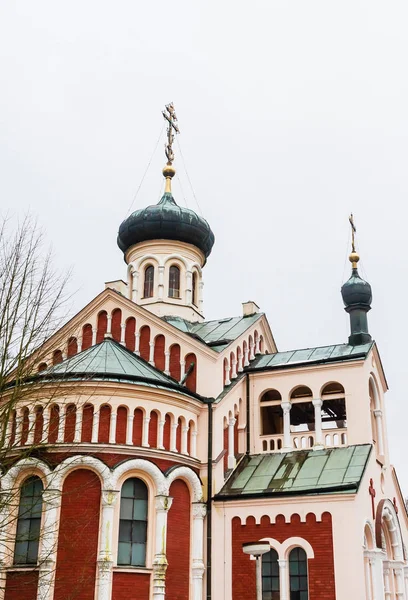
column 293, row 358
column 111, row 361
column 328, row 471
column 218, row 333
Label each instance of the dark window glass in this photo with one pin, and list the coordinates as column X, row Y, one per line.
column 298, row 575
column 174, row 282
column 270, row 576
column 194, row 291
column 29, row 522
column 149, row 282
column 133, row 523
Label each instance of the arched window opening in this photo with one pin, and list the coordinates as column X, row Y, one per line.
column 87, row 421
column 270, row 576
column 42, row 366
column 26, row 426
column 159, row 357
column 102, row 326
column 302, row 391
column 191, row 372
column 174, row 282
column 272, row 419
column 53, row 425
column 86, row 336
column 29, row 522
column 148, row 288
column 117, row 324
column 130, row 331
column 144, row 344
column 302, row 417
column 175, row 367
column 194, row 289
column 133, row 523
column 57, row 357
column 70, row 420
column 271, row 395
column 298, row 584
column 38, row 425
column 333, row 388
column 334, row 414
column 373, row 406
column 72, row 348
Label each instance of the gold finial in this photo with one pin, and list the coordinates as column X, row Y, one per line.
column 169, row 171
column 354, row 257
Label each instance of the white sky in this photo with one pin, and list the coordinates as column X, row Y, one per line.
column 292, row 114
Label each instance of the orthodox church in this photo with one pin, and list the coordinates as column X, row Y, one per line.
column 180, row 459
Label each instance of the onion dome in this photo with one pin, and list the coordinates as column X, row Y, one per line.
column 356, row 291
column 166, row 221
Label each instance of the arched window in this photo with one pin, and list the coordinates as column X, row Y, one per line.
column 298, row 575
column 194, row 289
column 29, row 522
column 174, row 282
column 148, row 282
column 270, row 576
column 133, row 523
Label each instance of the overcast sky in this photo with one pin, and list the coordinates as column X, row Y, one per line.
column 292, row 114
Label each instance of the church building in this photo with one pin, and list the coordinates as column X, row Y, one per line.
column 170, row 457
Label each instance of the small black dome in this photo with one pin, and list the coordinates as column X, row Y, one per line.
column 356, row 291
column 166, row 221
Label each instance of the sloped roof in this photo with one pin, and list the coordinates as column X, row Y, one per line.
column 218, row 333
column 327, row 471
column 322, row 354
column 112, row 361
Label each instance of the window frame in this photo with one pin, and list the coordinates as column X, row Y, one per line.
column 174, row 292
column 271, row 576
column 21, row 520
column 298, row 575
column 194, row 291
column 148, row 286
column 146, row 499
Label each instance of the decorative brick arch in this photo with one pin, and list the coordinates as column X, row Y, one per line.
column 29, row 464
column 190, row 477
column 87, row 462
column 386, row 514
column 146, row 466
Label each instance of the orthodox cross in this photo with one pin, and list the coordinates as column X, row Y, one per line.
column 353, row 231
column 371, row 491
column 170, row 115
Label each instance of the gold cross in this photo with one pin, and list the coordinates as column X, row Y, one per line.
column 353, row 231
column 170, row 115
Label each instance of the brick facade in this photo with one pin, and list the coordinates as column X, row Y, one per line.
column 130, row 586
column 178, row 543
column 21, row 585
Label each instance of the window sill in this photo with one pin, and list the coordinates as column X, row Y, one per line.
column 129, row 569
column 22, row 568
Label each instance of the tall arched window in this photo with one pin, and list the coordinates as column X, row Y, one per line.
column 270, row 576
column 194, row 290
column 29, row 522
column 298, row 575
column 174, row 282
column 148, row 289
column 133, row 523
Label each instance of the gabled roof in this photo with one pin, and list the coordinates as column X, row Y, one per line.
column 111, row 361
column 304, row 472
column 323, row 354
column 218, row 333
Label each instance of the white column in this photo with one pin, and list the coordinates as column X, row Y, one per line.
column 182, row 369
column 162, row 505
column 112, row 425
column 19, row 427
column 137, row 343
column 61, row 423
column 257, row 346
column 167, row 362
column 31, row 427
column 173, row 437
column 378, row 419
column 387, row 583
column 95, row 425
column 231, row 455
column 284, row 579
column 189, row 287
column 122, row 333
column 234, row 369
column 160, row 438
column 9, row 431
column 184, row 434
column 251, row 351
column 406, row 581
column 78, row 423
column 317, row 403
column 287, row 440
column 105, row 558
column 193, row 449
column 161, row 282
column 197, row 568
column 367, row 572
column 48, row 544
column 399, row 583
column 94, row 332
column 227, row 379
column 46, row 425
column 246, row 357
column 145, row 433
column 151, row 354
column 79, row 343
column 135, row 277
column 129, row 428
column 239, row 361
column 377, row 578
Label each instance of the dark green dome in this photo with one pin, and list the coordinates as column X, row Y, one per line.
column 356, row 291
column 166, row 221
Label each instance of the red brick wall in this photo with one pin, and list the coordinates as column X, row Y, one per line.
column 130, row 586
column 191, row 381
column 102, row 326
column 53, row 426
column 178, row 543
column 175, row 367
column 87, row 418
column 130, row 331
column 159, row 352
column 104, row 424
column 137, row 427
column 226, row 449
column 319, row 536
column 166, row 432
column 153, row 424
column 21, row 586
column 78, row 537
column 70, row 417
column 179, row 432
column 26, row 425
column 72, row 346
column 116, row 324
column 86, row 336
column 121, row 424
column 144, row 344
column 39, row 424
